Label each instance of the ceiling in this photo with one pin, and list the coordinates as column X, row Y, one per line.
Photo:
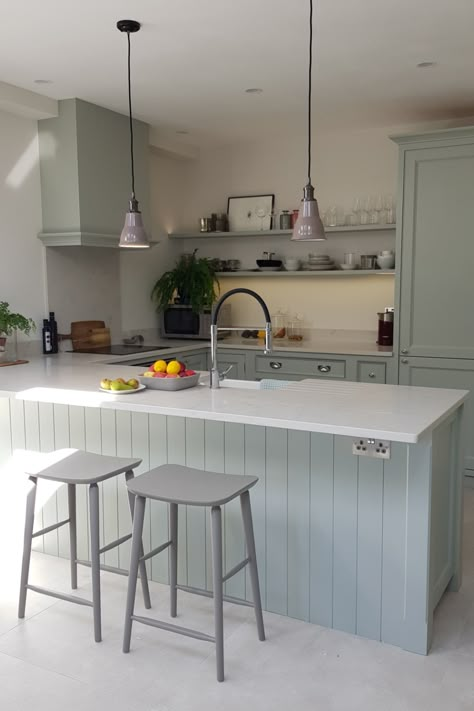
column 193, row 60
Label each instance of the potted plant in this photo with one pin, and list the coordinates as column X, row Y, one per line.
column 194, row 281
column 10, row 322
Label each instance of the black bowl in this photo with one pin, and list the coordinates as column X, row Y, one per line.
column 269, row 262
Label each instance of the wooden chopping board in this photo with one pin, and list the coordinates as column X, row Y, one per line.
column 89, row 334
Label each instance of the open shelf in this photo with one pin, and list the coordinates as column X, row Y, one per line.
column 278, row 233
column 327, row 273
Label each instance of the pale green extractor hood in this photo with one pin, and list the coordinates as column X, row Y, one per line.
column 85, row 174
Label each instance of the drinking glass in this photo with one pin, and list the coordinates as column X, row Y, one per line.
column 364, row 210
column 332, row 216
column 356, row 209
column 261, row 213
column 389, row 207
column 372, row 209
column 350, row 258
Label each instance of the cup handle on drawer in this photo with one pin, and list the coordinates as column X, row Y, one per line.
column 275, row 365
column 324, row 368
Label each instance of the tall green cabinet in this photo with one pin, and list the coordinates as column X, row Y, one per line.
column 435, row 246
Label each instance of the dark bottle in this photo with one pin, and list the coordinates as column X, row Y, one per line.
column 53, row 328
column 47, row 345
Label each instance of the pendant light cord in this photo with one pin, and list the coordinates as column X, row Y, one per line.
column 310, row 72
column 130, row 117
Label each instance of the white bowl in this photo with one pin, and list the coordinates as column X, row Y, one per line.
column 349, row 267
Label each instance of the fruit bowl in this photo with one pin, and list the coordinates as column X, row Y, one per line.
column 189, row 381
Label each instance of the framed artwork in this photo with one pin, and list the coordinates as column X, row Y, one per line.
column 250, row 213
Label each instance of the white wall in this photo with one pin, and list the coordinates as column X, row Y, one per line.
column 345, row 166
column 22, row 281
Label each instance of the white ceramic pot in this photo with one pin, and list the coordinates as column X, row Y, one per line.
column 386, row 261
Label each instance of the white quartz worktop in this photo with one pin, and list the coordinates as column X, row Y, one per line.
column 396, row 413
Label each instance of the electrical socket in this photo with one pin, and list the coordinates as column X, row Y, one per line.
column 377, row 448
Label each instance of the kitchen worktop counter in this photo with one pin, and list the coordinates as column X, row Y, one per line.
column 397, row 413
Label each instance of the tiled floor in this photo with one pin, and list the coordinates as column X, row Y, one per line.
column 50, row 663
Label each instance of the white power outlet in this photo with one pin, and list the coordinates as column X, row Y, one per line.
column 371, row 448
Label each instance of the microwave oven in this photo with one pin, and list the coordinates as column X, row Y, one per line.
column 179, row 321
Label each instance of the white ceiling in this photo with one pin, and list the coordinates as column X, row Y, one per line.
column 193, row 59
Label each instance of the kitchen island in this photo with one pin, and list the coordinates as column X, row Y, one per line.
column 360, row 543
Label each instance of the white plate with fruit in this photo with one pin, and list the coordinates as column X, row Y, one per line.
column 169, row 376
column 120, row 386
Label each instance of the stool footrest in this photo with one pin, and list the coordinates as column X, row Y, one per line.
column 48, row 529
column 116, row 543
column 235, row 569
column 106, row 568
column 155, row 551
column 208, row 593
column 173, row 628
column 60, row 596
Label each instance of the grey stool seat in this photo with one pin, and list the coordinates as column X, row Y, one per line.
column 75, row 467
column 175, row 484
column 80, row 467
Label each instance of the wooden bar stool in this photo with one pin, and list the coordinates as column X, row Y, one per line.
column 176, row 485
column 75, row 467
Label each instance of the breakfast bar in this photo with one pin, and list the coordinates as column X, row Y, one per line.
column 357, row 513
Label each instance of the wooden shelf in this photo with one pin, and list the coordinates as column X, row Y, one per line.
column 277, row 233
column 308, row 273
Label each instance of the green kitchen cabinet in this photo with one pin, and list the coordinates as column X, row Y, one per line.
column 436, row 244
column 235, row 360
column 445, row 373
column 196, row 360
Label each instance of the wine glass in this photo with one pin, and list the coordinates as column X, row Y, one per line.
column 389, row 207
column 364, row 210
column 261, row 213
column 356, row 209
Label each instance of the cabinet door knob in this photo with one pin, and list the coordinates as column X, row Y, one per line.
column 405, row 351
column 404, row 361
column 275, row 365
column 324, row 368
column 371, row 375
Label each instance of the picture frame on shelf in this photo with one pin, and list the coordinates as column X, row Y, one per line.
column 250, row 213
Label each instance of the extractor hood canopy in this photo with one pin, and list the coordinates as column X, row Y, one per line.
column 85, row 174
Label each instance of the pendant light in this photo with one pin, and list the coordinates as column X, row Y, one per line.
column 308, row 227
column 133, row 233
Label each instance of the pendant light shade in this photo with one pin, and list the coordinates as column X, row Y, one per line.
column 309, row 227
column 133, row 233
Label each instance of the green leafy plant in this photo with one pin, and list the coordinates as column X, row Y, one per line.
column 10, row 321
column 193, row 278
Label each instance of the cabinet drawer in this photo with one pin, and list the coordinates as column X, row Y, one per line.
column 303, row 367
column 369, row 372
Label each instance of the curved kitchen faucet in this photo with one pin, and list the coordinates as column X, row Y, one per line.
column 215, row 375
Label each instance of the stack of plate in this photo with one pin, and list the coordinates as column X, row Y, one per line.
column 317, row 263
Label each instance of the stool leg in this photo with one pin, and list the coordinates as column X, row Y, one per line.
column 250, row 540
column 27, row 541
column 133, row 574
column 216, row 534
column 95, row 559
column 143, row 573
column 173, row 559
column 71, row 495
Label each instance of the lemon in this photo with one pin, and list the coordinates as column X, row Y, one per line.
column 173, row 367
column 159, row 366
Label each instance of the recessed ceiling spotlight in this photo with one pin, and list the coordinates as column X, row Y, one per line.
column 183, row 133
column 425, row 65
column 254, row 90
column 42, row 81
